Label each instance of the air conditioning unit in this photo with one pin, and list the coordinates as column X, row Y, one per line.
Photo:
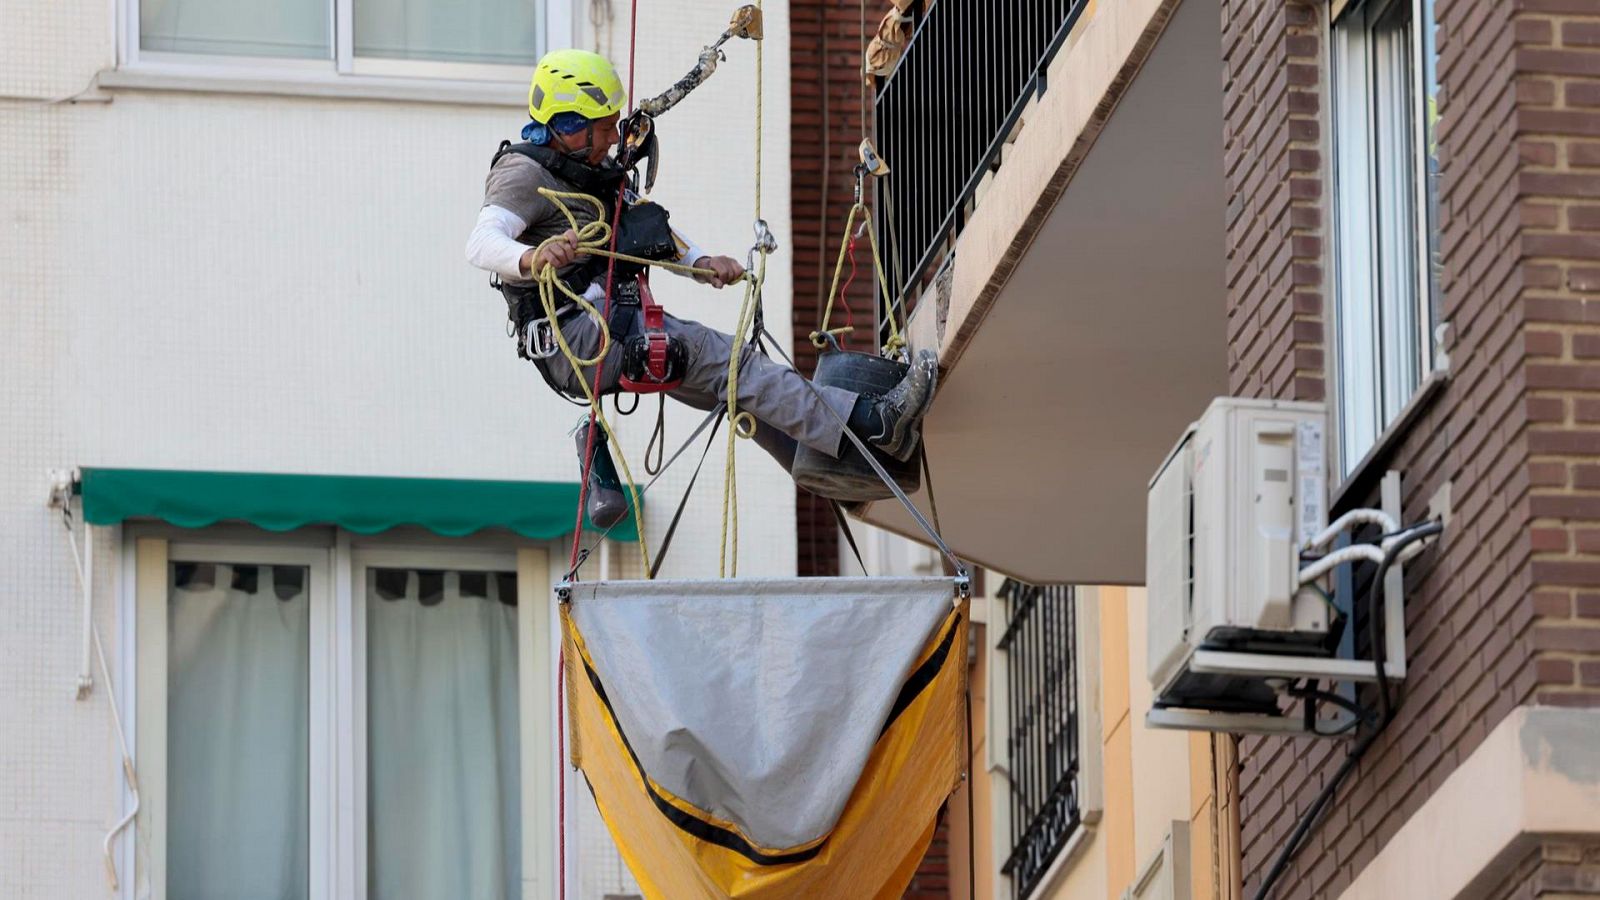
column 1228, row 512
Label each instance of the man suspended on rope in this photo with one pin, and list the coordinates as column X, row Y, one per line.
column 575, row 100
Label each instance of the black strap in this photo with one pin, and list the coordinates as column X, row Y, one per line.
column 666, row 539
column 658, row 436
column 844, row 526
column 602, row 181
column 559, row 392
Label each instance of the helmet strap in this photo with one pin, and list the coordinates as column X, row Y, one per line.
column 581, row 154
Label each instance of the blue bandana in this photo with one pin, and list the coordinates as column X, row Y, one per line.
column 562, row 123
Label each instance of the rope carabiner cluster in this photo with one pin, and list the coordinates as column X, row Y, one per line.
column 820, row 337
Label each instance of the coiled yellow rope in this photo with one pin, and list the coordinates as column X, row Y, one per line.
column 594, row 239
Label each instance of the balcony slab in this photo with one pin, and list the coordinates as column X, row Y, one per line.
column 1081, row 324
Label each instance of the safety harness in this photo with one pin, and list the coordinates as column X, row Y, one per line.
column 652, row 360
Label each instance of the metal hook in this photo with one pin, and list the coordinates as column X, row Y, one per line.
column 766, row 243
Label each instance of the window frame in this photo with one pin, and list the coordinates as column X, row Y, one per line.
column 1086, row 667
column 341, row 67
column 152, row 596
column 1369, row 398
column 337, row 727
column 354, row 685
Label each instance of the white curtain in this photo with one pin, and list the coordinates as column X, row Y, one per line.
column 286, row 28
column 474, row 31
column 442, row 742
column 237, row 716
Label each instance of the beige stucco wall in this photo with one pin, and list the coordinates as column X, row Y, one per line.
column 1150, row 779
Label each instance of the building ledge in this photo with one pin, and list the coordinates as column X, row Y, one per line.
column 1081, row 323
column 1536, row 775
column 289, row 83
column 1365, row 475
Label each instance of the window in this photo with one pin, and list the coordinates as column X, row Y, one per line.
column 238, row 726
column 472, row 39
column 1385, row 171
column 1036, row 653
column 277, row 685
column 443, row 794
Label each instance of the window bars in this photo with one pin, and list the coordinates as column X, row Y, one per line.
column 945, row 113
column 1042, row 746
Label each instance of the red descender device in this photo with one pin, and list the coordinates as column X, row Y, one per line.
column 652, row 360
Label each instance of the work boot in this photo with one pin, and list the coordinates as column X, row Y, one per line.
column 899, row 413
column 606, row 504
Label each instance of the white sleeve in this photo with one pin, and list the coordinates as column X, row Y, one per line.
column 493, row 244
column 689, row 253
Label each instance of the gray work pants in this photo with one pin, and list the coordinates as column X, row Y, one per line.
column 786, row 409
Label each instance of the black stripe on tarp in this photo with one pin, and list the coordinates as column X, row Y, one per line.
column 705, row 831
column 922, row 677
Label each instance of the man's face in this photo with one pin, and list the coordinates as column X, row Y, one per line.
column 605, row 137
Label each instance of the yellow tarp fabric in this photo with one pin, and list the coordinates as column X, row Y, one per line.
column 678, row 852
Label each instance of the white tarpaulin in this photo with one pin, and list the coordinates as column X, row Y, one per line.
column 758, row 701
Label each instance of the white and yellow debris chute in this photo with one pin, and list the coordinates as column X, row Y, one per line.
column 768, row 738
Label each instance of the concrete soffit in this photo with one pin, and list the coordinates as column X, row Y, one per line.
column 1536, row 776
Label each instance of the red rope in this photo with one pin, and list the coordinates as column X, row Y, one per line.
column 844, row 295
column 583, row 496
column 561, row 765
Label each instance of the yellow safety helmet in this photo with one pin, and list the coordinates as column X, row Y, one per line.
column 574, row 81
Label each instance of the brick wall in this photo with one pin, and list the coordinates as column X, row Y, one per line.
column 1506, row 610
column 1555, row 870
column 1558, row 186
column 826, row 127
column 932, row 881
column 1272, row 170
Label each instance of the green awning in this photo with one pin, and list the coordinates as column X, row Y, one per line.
column 363, row 504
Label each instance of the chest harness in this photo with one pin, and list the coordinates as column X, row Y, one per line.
column 652, row 360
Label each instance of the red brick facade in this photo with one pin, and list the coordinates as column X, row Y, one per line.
column 1506, row 611
column 1272, row 170
column 932, row 881
column 826, row 127
column 1555, row 869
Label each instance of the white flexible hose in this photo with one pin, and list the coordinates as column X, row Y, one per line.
column 127, row 765
column 1373, row 552
column 86, row 588
column 1338, row 558
column 116, row 712
column 1355, row 516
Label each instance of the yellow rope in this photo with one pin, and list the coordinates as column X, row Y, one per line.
column 819, row 337
column 593, row 239
column 742, row 424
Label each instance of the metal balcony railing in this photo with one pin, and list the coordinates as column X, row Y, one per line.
column 946, row 111
column 1042, row 748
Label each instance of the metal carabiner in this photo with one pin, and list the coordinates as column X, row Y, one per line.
column 766, row 242
column 542, row 340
